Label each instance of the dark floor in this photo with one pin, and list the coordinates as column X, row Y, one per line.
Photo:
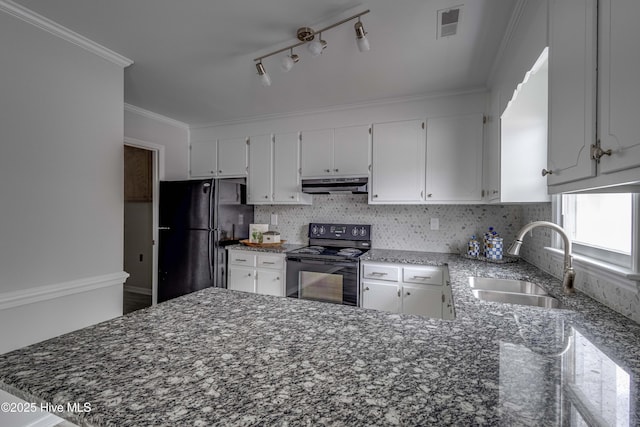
column 133, row 302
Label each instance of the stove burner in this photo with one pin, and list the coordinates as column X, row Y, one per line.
column 315, row 250
column 349, row 252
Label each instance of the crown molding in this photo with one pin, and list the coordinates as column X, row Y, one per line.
column 518, row 10
column 155, row 116
column 64, row 33
column 343, row 107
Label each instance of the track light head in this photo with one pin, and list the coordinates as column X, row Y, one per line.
column 264, row 76
column 289, row 61
column 317, row 46
column 361, row 37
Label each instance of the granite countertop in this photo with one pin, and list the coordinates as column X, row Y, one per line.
column 219, row 357
column 284, row 248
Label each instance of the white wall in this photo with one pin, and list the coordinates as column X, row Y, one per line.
column 61, row 181
column 384, row 111
column 172, row 135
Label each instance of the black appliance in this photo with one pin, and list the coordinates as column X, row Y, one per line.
column 335, row 185
column 198, row 218
column 329, row 268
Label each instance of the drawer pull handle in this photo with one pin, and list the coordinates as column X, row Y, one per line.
column 422, row 277
column 376, row 273
column 240, row 260
column 268, row 262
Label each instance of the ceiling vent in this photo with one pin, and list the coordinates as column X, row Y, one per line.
column 448, row 20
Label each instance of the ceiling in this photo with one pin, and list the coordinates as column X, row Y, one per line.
column 193, row 59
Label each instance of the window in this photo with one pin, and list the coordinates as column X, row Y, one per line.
column 602, row 226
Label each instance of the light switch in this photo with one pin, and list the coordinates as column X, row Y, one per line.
column 274, row 219
column 435, row 224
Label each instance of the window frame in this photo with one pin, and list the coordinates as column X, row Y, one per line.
column 630, row 265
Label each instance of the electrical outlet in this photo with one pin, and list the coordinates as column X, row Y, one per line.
column 435, row 224
column 274, row 219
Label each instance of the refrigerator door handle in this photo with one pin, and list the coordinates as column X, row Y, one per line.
column 164, row 228
column 211, row 251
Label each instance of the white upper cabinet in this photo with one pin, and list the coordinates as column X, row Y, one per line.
column 232, row 157
column 340, row 152
column 398, row 160
column 572, row 90
column 619, row 87
column 317, row 153
column 260, row 182
column 454, row 159
column 203, row 159
column 581, row 33
column 219, row 158
column 287, row 185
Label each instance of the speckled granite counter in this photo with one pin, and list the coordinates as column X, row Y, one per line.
column 218, row 357
column 286, row 247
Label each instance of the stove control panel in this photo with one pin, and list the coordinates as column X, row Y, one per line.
column 340, row 231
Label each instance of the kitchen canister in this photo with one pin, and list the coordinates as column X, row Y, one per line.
column 473, row 250
column 494, row 248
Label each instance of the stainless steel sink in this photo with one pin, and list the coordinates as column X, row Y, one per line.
column 506, row 285
column 516, row 298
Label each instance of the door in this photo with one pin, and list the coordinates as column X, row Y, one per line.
column 323, row 280
column 186, row 204
column 424, row 300
column 260, row 169
column 398, row 162
column 381, row 296
column 454, row 158
column 185, row 262
column 351, row 151
column 232, row 157
column 241, row 279
column 572, row 90
column 286, row 174
column 317, row 153
column 270, row 282
column 203, row 159
column 619, row 91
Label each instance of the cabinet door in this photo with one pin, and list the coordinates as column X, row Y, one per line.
column 619, row 91
column 270, row 282
column 351, row 151
column 424, row 300
column 454, row 158
column 381, row 296
column 572, row 82
column 241, row 279
column 203, row 159
column 260, row 182
column 317, row 153
column 286, row 176
column 232, row 157
column 398, row 157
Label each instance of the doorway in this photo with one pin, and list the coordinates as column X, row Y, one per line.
column 140, row 194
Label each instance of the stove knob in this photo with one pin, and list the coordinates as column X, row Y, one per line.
column 363, row 231
column 322, row 230
column 314, row 230
column 354, row 232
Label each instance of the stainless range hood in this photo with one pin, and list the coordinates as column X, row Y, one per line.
column 335, row 185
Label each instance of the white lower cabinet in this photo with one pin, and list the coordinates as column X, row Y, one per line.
column 261, row 273
column 408, row 289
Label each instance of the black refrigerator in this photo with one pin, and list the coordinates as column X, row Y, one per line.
column 197, row 219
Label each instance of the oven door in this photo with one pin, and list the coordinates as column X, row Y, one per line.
column 323, row 280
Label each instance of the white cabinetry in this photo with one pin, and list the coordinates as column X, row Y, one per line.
column 262, row 273
column 340, row 152
column 454, row 159
column 581, row 33
column 223, row 158
column 274, row 170
column 398, row 162
column 408, row 289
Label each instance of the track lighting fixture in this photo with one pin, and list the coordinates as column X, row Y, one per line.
column 315, row 46
column 264, row 76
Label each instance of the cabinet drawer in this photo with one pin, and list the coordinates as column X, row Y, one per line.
column 271, row 261
column 426, row 275
column 242, row 258
column 380, row 272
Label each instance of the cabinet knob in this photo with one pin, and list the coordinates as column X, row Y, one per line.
column 408, row 293
column 546, row 172
column 495, row 191
column 277, row 278
column 597, row 152
column 336, row 170
column 220, row 171
column 293, row 197
column 375, row 196
column 249, row 275
column 429, row 195
column 212, row 172
column 266, row 197
column 366, row 289
column 399, row 294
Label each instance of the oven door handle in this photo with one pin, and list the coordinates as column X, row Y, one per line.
column 324, row 262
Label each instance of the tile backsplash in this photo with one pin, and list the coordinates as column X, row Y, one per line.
column 405, row 227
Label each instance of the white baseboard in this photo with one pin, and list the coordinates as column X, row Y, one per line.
column 37, row 314
column 137, row 290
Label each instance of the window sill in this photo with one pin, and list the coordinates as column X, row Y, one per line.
column 620, row 276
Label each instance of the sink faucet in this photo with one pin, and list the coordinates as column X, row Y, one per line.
column 569, row 272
